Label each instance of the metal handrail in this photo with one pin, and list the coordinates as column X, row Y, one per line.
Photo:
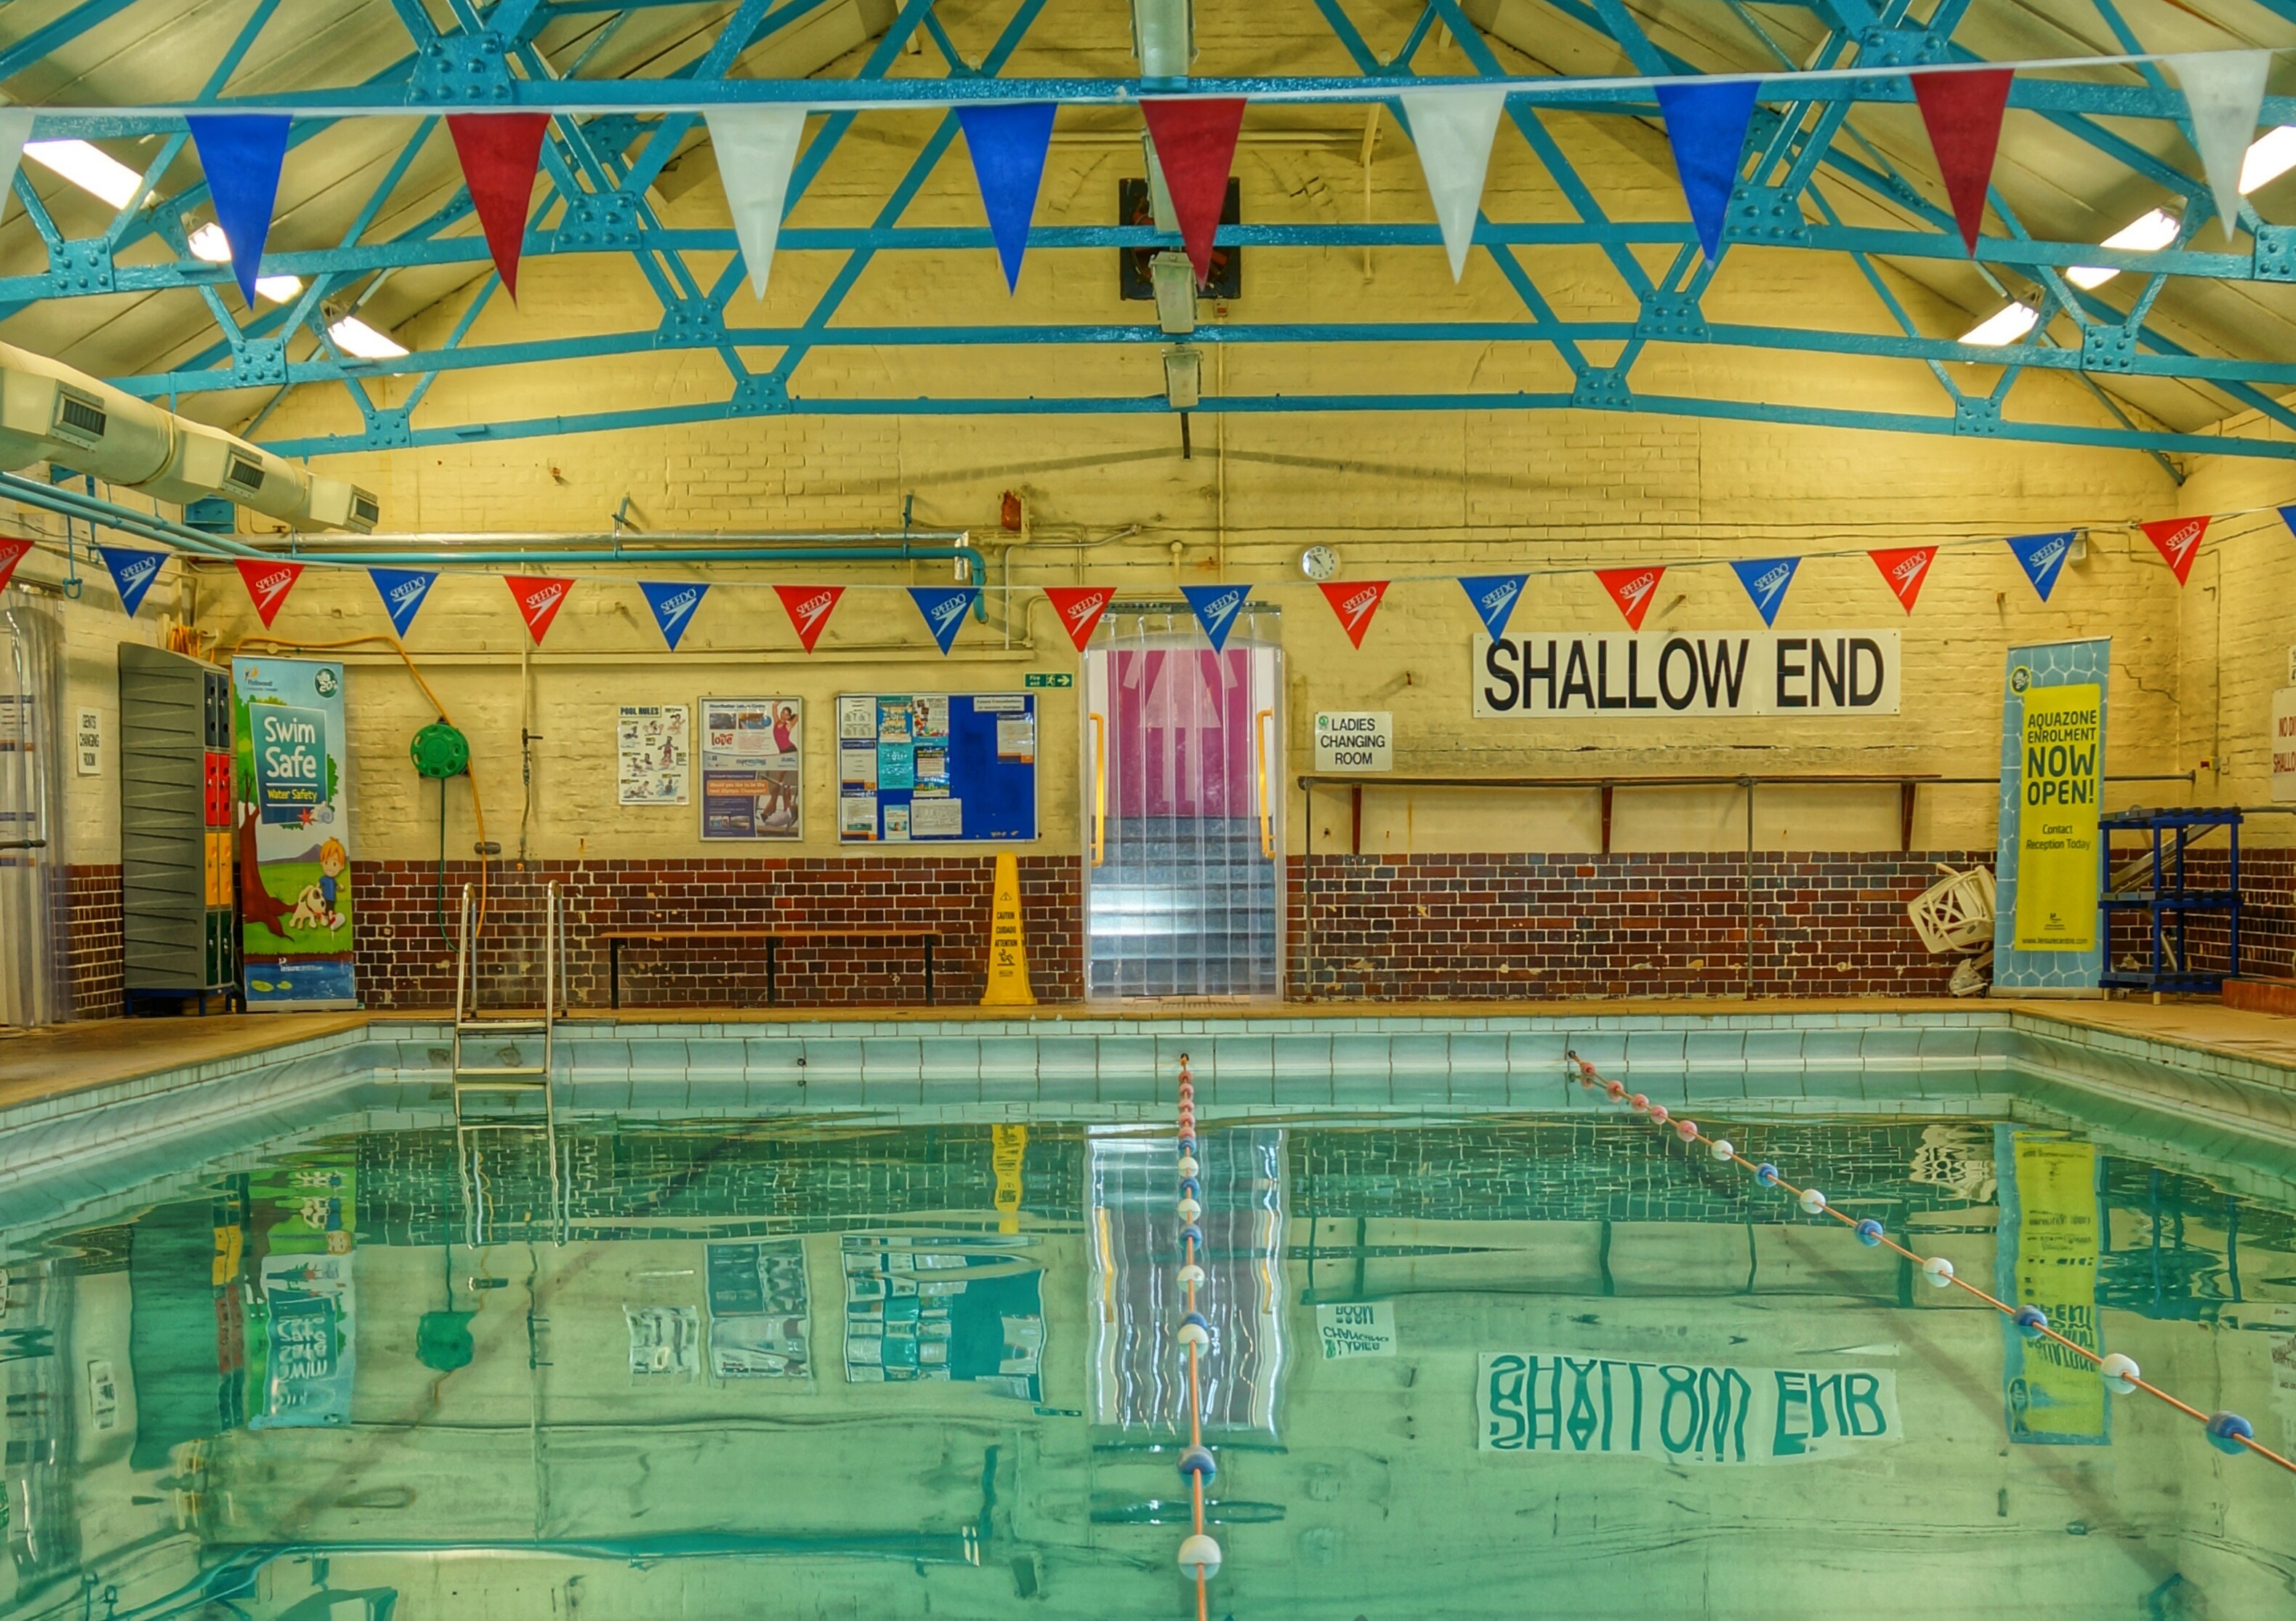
column 1259, row 726
column 1099, row 723
column 464, row 969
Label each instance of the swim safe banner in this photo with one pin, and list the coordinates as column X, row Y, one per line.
column 2047, row 859
column 1626, row 676
column 1537, row 1403
column 294, row 834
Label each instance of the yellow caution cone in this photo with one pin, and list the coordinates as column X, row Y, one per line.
column 1008, row 943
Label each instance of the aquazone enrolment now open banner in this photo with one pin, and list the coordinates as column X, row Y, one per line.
column 1585, row 674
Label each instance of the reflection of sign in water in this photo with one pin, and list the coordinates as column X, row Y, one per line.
column 1363, row 1328
column 757, row 1311
column 1590, row 1405
column 308, row 1309
column 929, row 1307
column 2048, row 1256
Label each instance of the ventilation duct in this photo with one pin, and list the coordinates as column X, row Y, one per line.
column 1164, row 37
column 208, row 461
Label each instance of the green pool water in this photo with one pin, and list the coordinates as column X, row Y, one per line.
column 834, row 1365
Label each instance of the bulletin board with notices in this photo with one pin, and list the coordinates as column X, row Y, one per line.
column 936, row 768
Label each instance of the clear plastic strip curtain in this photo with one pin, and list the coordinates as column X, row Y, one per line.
column 35, row 893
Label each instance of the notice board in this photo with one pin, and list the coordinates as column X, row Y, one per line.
column 936, row 768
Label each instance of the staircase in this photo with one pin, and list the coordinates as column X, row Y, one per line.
column 504, row 1056
column 1182, row 907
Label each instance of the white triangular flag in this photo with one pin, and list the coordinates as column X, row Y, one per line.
column 1453, row 130
column 15, row 129
column 757, row 148
column 2224, row 90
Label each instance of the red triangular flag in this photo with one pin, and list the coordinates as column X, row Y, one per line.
column 539, row 598
column 1905, row 571
column 12, row 553
column 267, row 582
column 499, row 152
column 808, row 608
column 1632, row 589
column 2180, row 541
column 1962, row 111
column 1079, row 608
column 1355, row 601
column 1195, row 143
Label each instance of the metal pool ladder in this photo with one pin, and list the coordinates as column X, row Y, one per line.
column 509, row 1074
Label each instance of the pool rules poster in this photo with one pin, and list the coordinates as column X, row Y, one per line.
column 294, row 834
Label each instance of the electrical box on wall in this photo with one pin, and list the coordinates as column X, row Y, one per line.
column 175, row 795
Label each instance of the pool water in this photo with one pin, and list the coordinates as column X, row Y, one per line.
column 844, row 1365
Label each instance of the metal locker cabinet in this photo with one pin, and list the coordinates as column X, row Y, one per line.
column 172, row 710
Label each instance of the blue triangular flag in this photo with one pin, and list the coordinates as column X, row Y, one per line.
column 1008, row 142
column 1706, row 124
column 1765, row 580
column 1494, row 596
column 673, row 606
column 2288, row 516
column 2044, row 558
column 403, row 591
column 1217, row 606
column 132, row 570
column 943, row 608
column 243, row 152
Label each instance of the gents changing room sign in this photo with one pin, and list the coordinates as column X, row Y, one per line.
column 1637, row 676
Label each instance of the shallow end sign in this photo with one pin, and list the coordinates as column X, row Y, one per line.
column 1649, row 676
column 1358, row 740
column 2283, row 743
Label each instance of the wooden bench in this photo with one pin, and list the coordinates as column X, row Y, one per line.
column 616, row 939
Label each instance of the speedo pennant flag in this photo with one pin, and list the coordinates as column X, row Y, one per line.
column 2179, row 539
column 1494, row 596
column 12, row 553
column 539, row 596
column 1632, row 589
column 2043, row 557
column 132, row 570
column 673, row 604
column 1766, row 579
column 402, row 591
column 267, row 583
column 1355, row 601
column 943, row 608
column 1079, row 608
column 1905, row 568
column 808, row 608
column 1216, row 607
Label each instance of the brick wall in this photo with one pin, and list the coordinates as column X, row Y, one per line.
column 2267, row 924
column 1464, row 926
column 94, row 956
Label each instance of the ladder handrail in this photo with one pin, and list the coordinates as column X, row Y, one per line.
column 464, row 967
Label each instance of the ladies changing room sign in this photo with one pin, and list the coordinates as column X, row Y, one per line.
column 1585, row 1404
column 1649, row 675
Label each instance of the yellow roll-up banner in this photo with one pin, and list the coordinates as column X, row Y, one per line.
column 2062, row 774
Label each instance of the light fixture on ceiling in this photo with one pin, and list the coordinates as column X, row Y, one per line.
column 357, row 339
column 209, row 244
column 2273, row 155
column 2148, row 233
column 2002, row 327
column 89, row 168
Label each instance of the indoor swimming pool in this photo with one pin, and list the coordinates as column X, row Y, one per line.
column 863, row 1320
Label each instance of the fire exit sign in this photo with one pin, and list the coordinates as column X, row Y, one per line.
column 1050, row 678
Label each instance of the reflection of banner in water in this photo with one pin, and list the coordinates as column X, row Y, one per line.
column 310, row 1324
column 1591, row 1405
column 1137, row 1302
column 966, row 1307
column 2051, row 1234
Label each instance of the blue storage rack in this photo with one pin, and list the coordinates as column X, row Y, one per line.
column 2170, row 902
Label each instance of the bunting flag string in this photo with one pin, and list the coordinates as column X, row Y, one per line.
column 2043, row 557
column 539, row 596
column 1008, row 142
column 2178, row 540
column 499, row 152
column 1195, row 147
column 15, row 129
column 1216, row 607
column 267, row 584
column 402, row 591
column 1706, row 122
column 756, row 149
column 1079, row 608
column 1493, row 598
column 12, row 553
column 1962, row 111
column 1355, row 601
column 243, row 153
column 943, row 608
column 808, row 608
column 133, row 569
column 1765, row 580
column 673, row 603
column 2224, row 91
column 1453, row 130
column 1905, row 568
column 1632, row 589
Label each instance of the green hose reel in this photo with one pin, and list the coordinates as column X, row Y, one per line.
column 440, row 751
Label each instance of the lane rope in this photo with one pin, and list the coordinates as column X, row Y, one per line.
column 1199, row 1551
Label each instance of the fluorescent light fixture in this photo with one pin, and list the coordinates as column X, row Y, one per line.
column 355, row 337
column 2147, row 234
column 2272, row 156
column 89, row 168
column 2005, row 326
column 209, row 244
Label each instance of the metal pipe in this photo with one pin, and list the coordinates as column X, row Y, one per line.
column 613, row 540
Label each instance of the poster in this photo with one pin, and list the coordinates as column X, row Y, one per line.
column 649, row 754
column 2052, row 1233
column 752, row 769
column 294, row 834
column 1585, row 1404
column 309, row 1317
column 2065, row 684
column 759, row 1326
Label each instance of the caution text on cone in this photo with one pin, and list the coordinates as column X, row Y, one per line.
column 1008, row 945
